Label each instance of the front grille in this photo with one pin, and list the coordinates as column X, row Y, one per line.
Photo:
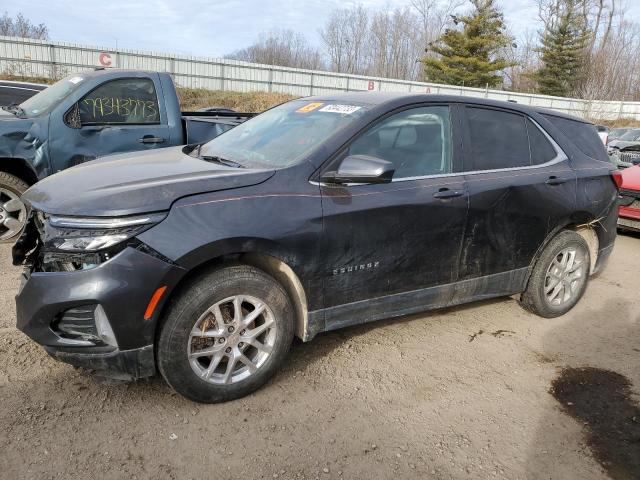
column 630, row 157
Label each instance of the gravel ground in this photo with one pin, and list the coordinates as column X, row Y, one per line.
column 467, row 392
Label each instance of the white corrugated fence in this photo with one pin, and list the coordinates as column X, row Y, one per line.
column 28, row 57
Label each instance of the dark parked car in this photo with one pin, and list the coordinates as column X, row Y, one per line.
column 14, row 93
column 318, row 214
column 89, row 115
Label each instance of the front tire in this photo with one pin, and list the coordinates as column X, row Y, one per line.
column 13, row 213
column 225, row 334
column 559, row 277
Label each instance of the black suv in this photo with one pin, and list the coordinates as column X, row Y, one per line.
column 205, row 261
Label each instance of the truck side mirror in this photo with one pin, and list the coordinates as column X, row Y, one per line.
column 72, row 117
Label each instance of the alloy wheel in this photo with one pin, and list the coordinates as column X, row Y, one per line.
column 565, row 276
column 232, row 339
column 13, row 214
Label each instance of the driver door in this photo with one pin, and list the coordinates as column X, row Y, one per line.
column 393, row 248
column 120, row 115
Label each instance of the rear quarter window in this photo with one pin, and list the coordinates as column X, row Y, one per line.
column 583, row 135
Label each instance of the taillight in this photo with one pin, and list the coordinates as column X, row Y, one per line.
column 616, row 175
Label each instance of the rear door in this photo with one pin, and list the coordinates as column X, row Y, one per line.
column 520, row 186
column 120, row 115
column 381, row 240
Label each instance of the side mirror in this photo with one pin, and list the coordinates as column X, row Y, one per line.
column 361, row 169
column 72, row 117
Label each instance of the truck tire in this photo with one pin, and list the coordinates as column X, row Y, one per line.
column 559, row 277
column 225, row 334
column 13, row 213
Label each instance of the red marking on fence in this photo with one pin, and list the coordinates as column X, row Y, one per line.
column 105, row 59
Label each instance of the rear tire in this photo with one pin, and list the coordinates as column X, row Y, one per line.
column 13, row 213
column 209, row 350
column 559, row 277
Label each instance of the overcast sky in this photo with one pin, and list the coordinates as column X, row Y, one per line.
column 209, row 28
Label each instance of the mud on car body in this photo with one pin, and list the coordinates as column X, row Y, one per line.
column 203, row 263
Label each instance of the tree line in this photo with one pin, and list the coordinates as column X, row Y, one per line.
column 582, row 48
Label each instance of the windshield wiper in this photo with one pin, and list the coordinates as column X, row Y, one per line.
column 221, row 161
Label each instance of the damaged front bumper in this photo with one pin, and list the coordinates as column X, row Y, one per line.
column 95, row 318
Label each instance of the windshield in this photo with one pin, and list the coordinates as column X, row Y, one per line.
column 280, row 137
column 48, row 98
column 616, row 132
column 631, row 136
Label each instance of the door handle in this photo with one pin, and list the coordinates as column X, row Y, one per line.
column 553, row 180
column 151, row 139
column 445, row 193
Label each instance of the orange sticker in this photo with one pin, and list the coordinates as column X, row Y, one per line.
column 309, row 107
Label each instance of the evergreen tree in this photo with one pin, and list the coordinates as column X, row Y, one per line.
column 470, row 56
column 563, row 51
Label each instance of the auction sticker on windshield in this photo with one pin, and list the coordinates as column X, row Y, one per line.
column 343, row 109
column 309, row 107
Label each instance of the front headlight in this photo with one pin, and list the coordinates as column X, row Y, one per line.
column 92, row 234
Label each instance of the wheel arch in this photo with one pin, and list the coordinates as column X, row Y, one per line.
column 584, row 224
column 20, row 168
column 263, row 255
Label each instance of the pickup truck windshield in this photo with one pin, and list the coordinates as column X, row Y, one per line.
column 280, row 137
column 48, row 98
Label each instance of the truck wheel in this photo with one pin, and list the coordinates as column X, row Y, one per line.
column 559, row 277
column 225, row 334
column 13, row 213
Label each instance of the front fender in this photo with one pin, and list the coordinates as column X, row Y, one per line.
column 26, row 141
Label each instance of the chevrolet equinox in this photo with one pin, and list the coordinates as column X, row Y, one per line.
column 204, row 261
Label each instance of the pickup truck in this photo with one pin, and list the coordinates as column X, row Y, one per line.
column 90, row 115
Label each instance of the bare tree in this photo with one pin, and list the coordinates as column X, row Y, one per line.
column 345, row 37
column 22, row 27
column 435, row 16
column 524, row 61
column 282, row 47
column 395, row 44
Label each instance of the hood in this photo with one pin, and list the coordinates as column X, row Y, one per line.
column 622, row 145
column 631, row 178
column 135, row 183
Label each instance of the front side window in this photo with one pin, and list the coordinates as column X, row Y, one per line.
column 417, row 141
column 128, row 100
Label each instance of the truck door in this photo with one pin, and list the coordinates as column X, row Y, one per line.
column 120, row 115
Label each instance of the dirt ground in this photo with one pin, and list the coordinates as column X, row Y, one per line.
column 481, row 391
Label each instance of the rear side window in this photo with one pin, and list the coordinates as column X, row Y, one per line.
column 129, row 100
column 541, row 149
column 583, row 135
column 498, row 140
